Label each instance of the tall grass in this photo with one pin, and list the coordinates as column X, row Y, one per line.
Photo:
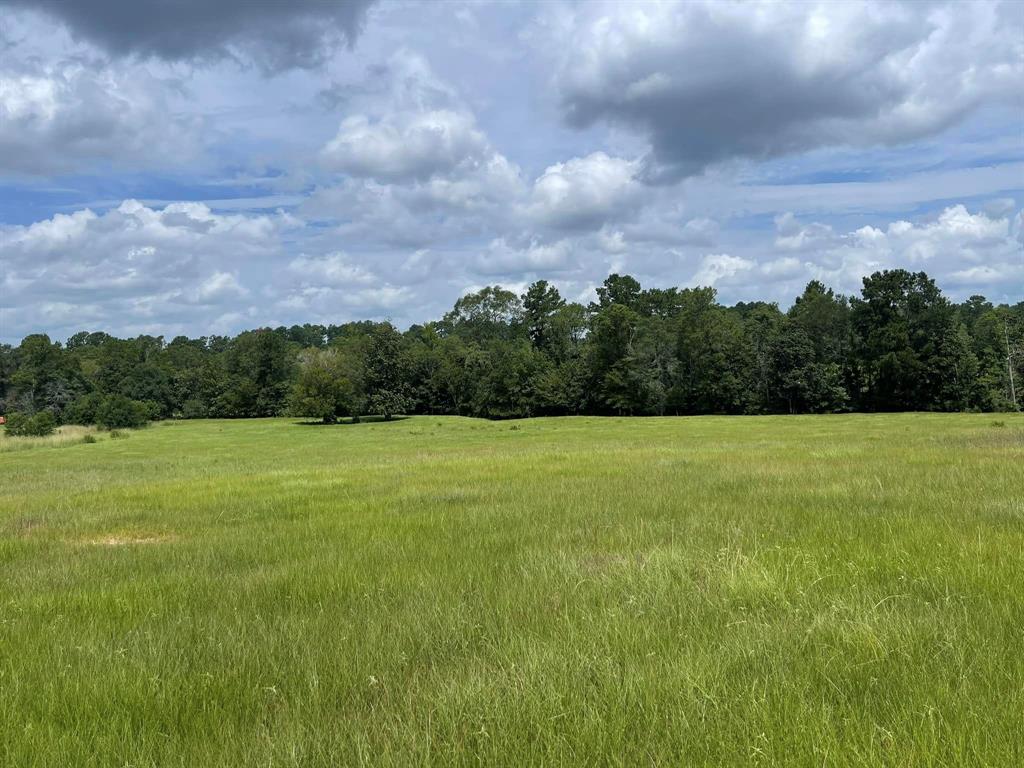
column 842, row 590
column 64, row 436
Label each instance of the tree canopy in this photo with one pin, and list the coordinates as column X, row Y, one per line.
column 899, row 345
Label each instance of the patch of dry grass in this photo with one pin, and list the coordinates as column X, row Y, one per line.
column 128, row 539
column 69, row 434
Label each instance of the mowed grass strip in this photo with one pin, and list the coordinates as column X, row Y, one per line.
column 835, row 590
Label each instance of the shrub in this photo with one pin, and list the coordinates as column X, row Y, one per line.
column 89, row 439
column 151, row 409
column 194, row 408
column 120, row 412
column 42, row 424
column 15, row 423
column 39, row 424
column 83, row 409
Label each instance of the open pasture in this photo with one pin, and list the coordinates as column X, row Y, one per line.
column 834, row 590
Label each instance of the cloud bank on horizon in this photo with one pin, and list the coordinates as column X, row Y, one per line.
column 197, row 167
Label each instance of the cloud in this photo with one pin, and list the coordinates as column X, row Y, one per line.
column 273, row 35
column 419, row 167
column 884, row 196
column 707, row 82
column 334, row 269
column 792, row 236
column 963, row 251
column 131, row 266
column 325, row 304
column 503, row 258
column 425, row 161
column 409, row 146
column 716, row 267
column 335, row 286
column 665, row 223
column 116, row 244
column 76, row 113
column 184, row 268
column 220, row 286
column 584, row 192
column 485, row 182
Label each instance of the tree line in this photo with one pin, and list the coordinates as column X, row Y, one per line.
column 900, row 345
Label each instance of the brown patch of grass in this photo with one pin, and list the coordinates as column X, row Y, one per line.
column 130, row 539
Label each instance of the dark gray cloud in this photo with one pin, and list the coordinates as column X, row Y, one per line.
column 708, row 82
column 273, row 34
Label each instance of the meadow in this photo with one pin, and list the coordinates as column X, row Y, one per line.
column 807, row 590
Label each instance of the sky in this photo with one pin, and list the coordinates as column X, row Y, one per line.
column 192, row 167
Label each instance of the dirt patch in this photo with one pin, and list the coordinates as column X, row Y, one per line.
column 127, row 540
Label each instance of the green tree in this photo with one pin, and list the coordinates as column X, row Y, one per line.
column 322, row 389
column 83, row 409
column 38, row 424
column 804, row 384
column 619, row 289
column 492, row 313
column 763, row 325
column 47, row 378
column 541, row 304
column 713, row 375
column 384, row 380
column 996, row 334
column 610, row 344
column 121, row 412
column 259, row 368
column 503, row 379
column 559, row 388
column 825, row 319
column 909, row 352
column 8, row 367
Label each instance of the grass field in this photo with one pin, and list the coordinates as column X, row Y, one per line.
column 835, row 590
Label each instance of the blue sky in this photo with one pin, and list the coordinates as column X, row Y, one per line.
column 231, row 165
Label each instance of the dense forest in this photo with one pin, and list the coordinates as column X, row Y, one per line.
column 900, row 345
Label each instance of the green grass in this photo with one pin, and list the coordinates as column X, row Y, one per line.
column 835, row 590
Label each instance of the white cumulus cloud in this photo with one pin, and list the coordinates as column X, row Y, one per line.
column 584, row 192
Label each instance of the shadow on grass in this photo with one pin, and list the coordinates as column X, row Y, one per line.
column 349, row 422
